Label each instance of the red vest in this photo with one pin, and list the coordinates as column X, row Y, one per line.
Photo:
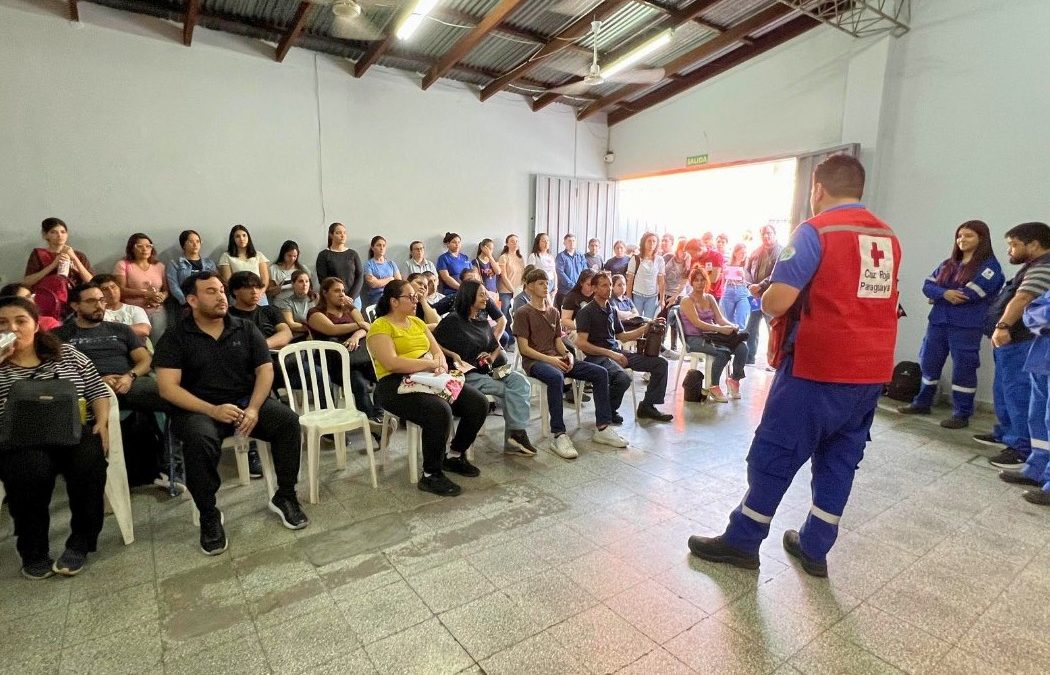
column 847, row 327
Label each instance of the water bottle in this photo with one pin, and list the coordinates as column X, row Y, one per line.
column 6, row 340
column 63, row 267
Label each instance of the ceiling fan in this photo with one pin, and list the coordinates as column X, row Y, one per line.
column 349, row 22
column 620, row 71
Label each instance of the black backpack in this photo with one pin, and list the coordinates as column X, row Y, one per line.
column 907, row 378
column 693, row 387
column 143, row 447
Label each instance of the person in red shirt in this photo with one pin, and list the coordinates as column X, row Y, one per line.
column 712, row 262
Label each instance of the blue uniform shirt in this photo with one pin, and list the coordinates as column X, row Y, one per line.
column 569, row 267
column 980, row 292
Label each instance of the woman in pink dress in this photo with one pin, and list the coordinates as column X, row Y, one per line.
column 142, row 281
column 54, row 269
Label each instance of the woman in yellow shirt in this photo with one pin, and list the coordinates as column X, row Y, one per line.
column 401, row 344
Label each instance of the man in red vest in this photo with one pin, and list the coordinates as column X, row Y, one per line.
column 833, row 296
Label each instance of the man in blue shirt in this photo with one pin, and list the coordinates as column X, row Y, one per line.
column 569, row 263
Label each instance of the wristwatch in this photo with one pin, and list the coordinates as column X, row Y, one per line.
column 133, row 375
column 1002, row 325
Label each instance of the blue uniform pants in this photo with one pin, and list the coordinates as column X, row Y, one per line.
column 804, row 420
column 1011, row 392
column 964, row 345
column 1038, row 465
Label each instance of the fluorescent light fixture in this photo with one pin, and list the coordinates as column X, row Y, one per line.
column 644, row 50
column 412, row 21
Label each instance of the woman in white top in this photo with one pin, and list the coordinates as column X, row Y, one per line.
column 281, row 271
column 542, row 258
column 241, row 256
column 645, row 277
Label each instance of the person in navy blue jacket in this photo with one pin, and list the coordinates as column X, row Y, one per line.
column 960, row 290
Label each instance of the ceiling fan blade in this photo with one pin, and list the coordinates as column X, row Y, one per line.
column 639, row 76
column 572, row 89
column 357, row 28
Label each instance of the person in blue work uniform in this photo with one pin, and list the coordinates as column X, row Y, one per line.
column 1036, row 470
column 960, row 290
column 1029, row 246
column 833, row 295
column 569, row 263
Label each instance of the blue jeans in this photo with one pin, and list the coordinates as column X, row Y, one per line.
column 555, row 381
column 735, row 305
column 722, row 356
column 753, row 321
column 1011, row 391
column 646, row 305
column 513, row 390
column 505, row 302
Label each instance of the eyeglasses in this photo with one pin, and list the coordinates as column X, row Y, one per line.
column 410, row 298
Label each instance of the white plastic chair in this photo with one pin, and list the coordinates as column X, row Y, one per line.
column 118, row 494
column 317, row 416
column 415, row 444
column 240, row 445
column 694, row 358
column 370, row 313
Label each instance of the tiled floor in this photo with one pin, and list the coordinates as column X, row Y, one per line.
column 547, row 566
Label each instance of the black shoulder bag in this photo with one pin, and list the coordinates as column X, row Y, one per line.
column 41, row 412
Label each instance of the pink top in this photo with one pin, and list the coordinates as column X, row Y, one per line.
column 136, row 277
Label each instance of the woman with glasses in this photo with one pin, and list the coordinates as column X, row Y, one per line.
column 401, row 345
column 417, row 262
column 142, row 281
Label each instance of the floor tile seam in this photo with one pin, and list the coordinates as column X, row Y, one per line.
column 852, row 644
column 782, row 660
column 477, row 660
column 909, row 624
column 661, row 644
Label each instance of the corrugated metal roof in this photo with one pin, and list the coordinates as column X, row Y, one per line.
column 730, row 12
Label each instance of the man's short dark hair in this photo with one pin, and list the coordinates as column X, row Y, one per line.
column 244, row 279
column 841, row 176
column 1026, row 233
column 78, row 290
column 100, row 279
column 189, row 284
column 468, row 271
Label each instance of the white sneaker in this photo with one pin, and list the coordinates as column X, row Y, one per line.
column 609, row 437
column 716, row 395
column 670, row 354
column 562, row 447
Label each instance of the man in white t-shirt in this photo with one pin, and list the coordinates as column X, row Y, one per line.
column 121, row 312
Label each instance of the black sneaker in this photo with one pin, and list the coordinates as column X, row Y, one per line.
column 439, row 484
column 617, row 419
column 254, row 464
column 570, row 398
column 912, row 409
column 461, row 466
column 989, row 439
column 954, row 422
column 213, row 537
column 1017, row 478
column 40, row 569
column 650, row 412
column 1040, row 497
column 1008, row 459
column 291, row 513
column 518, row 443
column 794, row 548
column 716, row 550
column 70, row 563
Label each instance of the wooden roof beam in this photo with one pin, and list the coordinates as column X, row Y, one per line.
column 681, row 83
column 429, row 61
column 716, row 44
column 568, row 36
column 677, row 18
column 460, row 17
column 74, row 11
column 294, row 30
column 193, row 12
column 376, row 50
column 466, row 43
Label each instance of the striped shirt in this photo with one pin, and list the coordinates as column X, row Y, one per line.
column 1036, row 279
column 72, row 365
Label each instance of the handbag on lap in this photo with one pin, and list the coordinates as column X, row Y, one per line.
column 42, row 412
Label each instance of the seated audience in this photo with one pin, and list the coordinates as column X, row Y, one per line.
column 451, row 264
column 296, row 306
column 701, row 317
column 545, row 357
column 417, row 262
column 247, row 291
column 190, row 262
column 618, row 263
column 119, row 312
column 216, row 369
column 282, row 270
column 424, row 311
column 498, row 321
column 142, row 281
column 378, row 270
column 29, row 471
column 433, row 294
column 240, row 256
column 577, row 297
column 18, row 289
column 625, row 308
column 521, row 299
column 335, row 319
column 52, row 270
column 599, row 332
column 466, row 338
column 401, row 345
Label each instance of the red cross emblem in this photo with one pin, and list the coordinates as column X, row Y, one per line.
column 876, row 254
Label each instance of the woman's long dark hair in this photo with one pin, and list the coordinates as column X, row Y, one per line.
column 129, row 249
column 47, row 346
column 536, row 243
column 966, row 273
column 326, row 285
column 231, row 246
column 463, row 304
column 390, row 291
column 481, row 245
column 506, row 249
column 584, row 278
column 289, row 246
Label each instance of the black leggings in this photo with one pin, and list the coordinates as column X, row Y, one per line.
column 29, row 478
column 434, row 415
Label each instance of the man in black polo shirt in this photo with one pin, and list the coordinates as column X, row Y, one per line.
column 217, row 370
column 598, row 335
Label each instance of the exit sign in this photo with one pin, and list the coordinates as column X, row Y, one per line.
column 696, row 160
